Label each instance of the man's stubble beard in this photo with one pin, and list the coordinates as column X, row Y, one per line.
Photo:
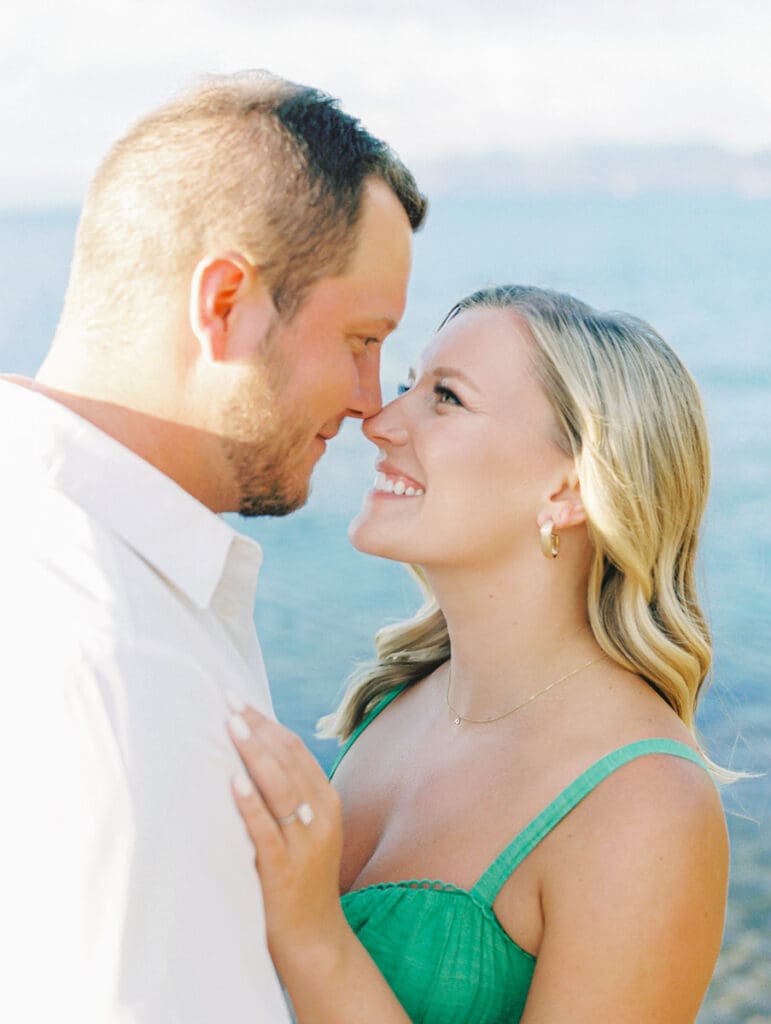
column 262, row 470
column 265, row 439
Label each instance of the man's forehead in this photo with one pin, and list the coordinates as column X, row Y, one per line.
column 384, row 234
column 360, row 302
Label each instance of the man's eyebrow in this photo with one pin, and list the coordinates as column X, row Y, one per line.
column 451, row 371
column 368, row 322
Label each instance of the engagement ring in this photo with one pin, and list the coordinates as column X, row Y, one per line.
column 304, row 813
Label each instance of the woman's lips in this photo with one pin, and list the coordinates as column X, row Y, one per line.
column 398, row 484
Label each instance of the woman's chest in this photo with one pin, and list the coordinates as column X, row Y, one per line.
column 426, row 808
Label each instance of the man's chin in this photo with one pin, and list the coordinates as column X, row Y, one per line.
column 274, row 504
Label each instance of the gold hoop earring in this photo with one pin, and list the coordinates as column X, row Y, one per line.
column 550, row 542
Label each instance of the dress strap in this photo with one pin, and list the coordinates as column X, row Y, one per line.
column 504, row 865
column 380, row 706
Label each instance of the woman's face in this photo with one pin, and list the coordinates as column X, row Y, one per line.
column 468, row 455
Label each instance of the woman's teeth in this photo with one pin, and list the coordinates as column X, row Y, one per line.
column 395, row 485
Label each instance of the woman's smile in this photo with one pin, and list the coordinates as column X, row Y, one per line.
column 390, row 480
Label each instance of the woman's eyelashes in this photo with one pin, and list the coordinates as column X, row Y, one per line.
column 442, row 395
column 445, row 395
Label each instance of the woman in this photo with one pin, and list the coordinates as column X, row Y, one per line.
column 529, row 830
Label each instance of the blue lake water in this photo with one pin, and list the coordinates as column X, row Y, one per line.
column 698, row 269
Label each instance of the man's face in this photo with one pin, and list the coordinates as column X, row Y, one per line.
column 319, row 367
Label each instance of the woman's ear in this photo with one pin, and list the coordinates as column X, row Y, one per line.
column 564, row 506
column 221, row 288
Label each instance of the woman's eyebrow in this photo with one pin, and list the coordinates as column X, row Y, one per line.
column 451, row 371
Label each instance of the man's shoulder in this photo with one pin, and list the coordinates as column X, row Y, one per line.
column 74, row 591
column 54, row 551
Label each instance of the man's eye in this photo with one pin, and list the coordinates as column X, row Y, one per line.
column 361, row 342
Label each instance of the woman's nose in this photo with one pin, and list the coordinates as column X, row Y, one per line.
column 386, row 426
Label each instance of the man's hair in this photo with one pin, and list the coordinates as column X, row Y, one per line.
column 248, row 163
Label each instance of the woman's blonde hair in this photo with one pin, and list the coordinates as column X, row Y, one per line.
column 631, row 416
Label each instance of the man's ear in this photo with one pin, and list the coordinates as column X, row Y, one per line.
column 564, row 505
column 218, row 317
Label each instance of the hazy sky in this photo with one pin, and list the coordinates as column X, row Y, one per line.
column 432, row 78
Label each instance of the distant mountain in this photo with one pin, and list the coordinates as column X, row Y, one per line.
column 617, row 170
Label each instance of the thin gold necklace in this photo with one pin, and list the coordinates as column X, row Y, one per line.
column 539, row 693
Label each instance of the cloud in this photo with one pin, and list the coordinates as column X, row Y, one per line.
column 432, row 79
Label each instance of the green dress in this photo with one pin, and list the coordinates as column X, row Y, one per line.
column 441, row 948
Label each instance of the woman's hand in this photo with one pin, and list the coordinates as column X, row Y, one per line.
column 292, row 815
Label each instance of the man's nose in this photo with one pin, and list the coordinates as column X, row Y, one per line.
column 369, row 398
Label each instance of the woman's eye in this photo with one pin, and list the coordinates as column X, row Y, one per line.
column 446, row 396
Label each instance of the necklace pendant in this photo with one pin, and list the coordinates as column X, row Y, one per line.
column 456, row 721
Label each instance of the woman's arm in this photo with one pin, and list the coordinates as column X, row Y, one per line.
column 633, row 901
column 329, row 975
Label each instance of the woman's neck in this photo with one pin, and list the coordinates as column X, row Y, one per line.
column 513, row 631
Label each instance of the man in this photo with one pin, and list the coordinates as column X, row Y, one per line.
column 242, row 254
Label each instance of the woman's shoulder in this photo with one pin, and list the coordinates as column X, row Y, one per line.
column 650, row 797
column 655, row 780
column 655, row 821
column 640, row 870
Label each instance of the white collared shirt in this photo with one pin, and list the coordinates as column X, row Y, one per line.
column 127, row 884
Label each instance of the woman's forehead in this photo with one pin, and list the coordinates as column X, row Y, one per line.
column 492, row 340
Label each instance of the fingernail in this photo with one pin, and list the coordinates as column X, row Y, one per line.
column 239, row 727
column 243, row 784
column 234, row 702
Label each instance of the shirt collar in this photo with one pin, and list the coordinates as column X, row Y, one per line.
column 183, row 540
